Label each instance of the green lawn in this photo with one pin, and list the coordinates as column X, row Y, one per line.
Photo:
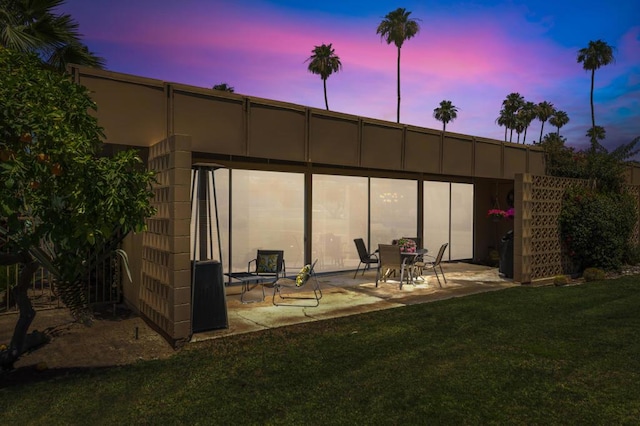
column 525, row 356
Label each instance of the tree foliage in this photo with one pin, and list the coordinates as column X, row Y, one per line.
column 596, row 227
column 224, row 87
column 446, row 112
column 60, row 201
column 596, row 222
column 324, row 62
column 603, row 168
column 559, row 119
column 597, row 54
column 33, row 26
column 396, row 28
column 56, row 188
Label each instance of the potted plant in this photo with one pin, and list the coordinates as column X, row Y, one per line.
column 496, row 214
column 407, row 245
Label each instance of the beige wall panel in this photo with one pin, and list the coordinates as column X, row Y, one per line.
column 131, row 113
column 457, row 156
column 515, row 160
column 488, row 159
column 216, row 125
column 276, row 133
column 333, row 141
column 381, row 147
column 536, row 163
column 422, row 152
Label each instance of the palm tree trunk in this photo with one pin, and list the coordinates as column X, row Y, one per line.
column 593, row 115
column 505, row 133
column 541, row 127
column 524, row 138
column 398, row 120
column 326, row 102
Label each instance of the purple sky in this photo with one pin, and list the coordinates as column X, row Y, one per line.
column 473, row 53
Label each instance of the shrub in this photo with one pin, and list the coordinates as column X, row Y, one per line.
column 560, row 280
column 593, row 274
column 632, row 255
column 596, row 227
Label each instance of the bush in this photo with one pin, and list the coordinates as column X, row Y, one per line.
column 596, row 227
column 632, row 255
column 593, row 274
column 560, row 280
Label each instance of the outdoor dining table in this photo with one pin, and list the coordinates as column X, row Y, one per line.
column 411, row 259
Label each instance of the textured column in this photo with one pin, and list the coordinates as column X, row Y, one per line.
column 522, row 228
column 165, row 293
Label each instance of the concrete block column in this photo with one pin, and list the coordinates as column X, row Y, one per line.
column 165, row 292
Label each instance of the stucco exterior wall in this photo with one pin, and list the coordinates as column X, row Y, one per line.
column 139, row 111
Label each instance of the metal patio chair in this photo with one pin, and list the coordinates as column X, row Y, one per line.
column 305, row 285
column 366, row 258
column 391, row 261
column 434, row 263
column 268, row 266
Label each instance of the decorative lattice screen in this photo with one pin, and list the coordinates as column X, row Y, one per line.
column 541, row 203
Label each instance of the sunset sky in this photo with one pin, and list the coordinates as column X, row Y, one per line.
column 473, row 53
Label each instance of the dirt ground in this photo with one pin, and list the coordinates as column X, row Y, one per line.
column 114, row 338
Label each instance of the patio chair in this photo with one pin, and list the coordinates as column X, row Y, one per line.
column 305, row 282
column 390, row 261
column 268, row 266
column 434, row 263
column 366, row 258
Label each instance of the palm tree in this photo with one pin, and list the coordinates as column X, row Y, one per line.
column 519, row 124
column 510, row 106
column 592, row 57
column 503, row 120
column 527, row 113
column 324, row 62
column 446, row 113
column 544, row 111
column 33, row 26
column 596, row 133
column 559, row 119
column 396, row 27
column 224, row 87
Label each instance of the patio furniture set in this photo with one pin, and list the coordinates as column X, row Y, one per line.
column 392, row 259
column 268, row 270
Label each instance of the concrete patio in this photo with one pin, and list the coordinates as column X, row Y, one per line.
column 343, row 295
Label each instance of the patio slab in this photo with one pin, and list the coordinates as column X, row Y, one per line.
column 343, row 296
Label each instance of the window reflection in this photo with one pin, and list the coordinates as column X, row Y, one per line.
column 339, row 216
column 394, row 211
column 267, row 213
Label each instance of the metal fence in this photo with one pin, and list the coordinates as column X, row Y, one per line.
column 103, row 285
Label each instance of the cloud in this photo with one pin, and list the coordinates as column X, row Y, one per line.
column 471, row 54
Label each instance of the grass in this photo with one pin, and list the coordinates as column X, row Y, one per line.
column 524, row 355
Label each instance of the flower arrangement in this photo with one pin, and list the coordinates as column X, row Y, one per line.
column 501, row 214
column 496, row 214
column 407, row 245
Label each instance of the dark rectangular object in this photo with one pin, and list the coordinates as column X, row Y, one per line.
column 209, row 308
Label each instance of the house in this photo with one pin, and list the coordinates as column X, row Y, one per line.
column 304, row 180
